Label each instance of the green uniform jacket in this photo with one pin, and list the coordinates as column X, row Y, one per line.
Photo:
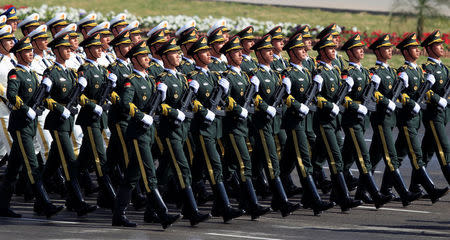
column 115, row 114
column 442, row 75
column 310, row 64
column 63, row 83
column 388, row 78
column 20, row 89
column 415, row 79
column 96, row 77
column 154, row 69
column 248, row 65
column 185, row 67
column 279, row 64
column 217, row 66
column 238, row 86
column 338, row 62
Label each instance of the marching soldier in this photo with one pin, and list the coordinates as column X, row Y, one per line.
column 236, row 127
column 11, row 20
column 154, row 42
column 354, row 121
column 86, row 24
column 22, row 85
column 247, row 41
column 30, row 23
column 408, row 117
column 435, row 139
column 207, row 127
column 117, row 24
column 310, row 62
column 187, row 35
column 279, row 62
column 138, row 91
column 60, row 121
column 93, row 119
column 268, row 124
column 383, row 120
column 216, row 40
column 297, row 153
column 332, row 29
column 103, row 29
column 222, row 24
column 325, row 120
column 135, row 32
column 57, row 23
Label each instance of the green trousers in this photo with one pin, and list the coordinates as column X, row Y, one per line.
column 237, row 154
column 355, row 147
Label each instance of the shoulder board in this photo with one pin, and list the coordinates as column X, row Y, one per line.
column 193, row 72
column 216, row 73
column 350, row 67
column 429, row 62
column 337, row 68
column 113, row 64
column 20, row 69
column 376, row 67
column 290, row 68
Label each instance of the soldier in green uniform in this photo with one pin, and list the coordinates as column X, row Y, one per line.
column 60, row 122
column 326, row 119
column 279, row 62
column 383, row 120
column 408, row 118
column 207, row 127
column 22, row 85
column 338, row 61
column 216, row 41
column 93, row 119
column 174, row 128
column 187, row 35
column 155, row 41
column 137, row 93
column 268, row 124
column 247, row 41
column 297, row 153
column 437, row 112
column 235, row 127
column 310, row 62
column 354, row 121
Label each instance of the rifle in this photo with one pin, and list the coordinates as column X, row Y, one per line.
column 248, row 103
column 311, row 93
column 74, row 95
column 368, row 99
column 37, row 101
column 447, row 92
column 215, row 100
column 342, row 92
column 278, row 98
column 7, row 103
column 185, row 103
column 398, row 88
column 152, row 105
column 105, row 93
column 423, row 89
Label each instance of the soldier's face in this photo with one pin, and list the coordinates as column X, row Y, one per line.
column 74, row 42
column 438, row 49
column 330, row 52
column 41, row 43
column 116, row 30
column 278, row 45
column 7, row 44
column 226, row 35
column 267, row 54
column 174, row 58
column 124, row 48
column 386, row 52
column 308, row 43
column 247, row 44
column 135, row 38
column 218, row 45
column 13, row 23
column 27, row 55
column 300, row 52
column 96, row 51
column 64, row 52
column 105, row 39
column 144, row 60
column 235, row 56
column 204, row 56
column 414, row 52
column 358, row 52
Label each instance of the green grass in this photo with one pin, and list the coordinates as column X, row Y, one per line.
column 363, row 21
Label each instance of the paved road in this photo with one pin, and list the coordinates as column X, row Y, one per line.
column 421, row 220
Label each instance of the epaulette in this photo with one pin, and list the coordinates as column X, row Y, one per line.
column 337, row 68
column 376, row 67
column 217, row 74
column 162, row 74
column 113, row 64
column 290, row 68
column 193, row 72
column 20, row 69
column 350, row 67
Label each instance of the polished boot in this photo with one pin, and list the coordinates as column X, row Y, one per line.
column 249, row 201
column 414, row 186
column 6, row 191
column 190, row 210
column 342, row 195
column 165, row 218
column 232, row 185
column 397, row 181
column 107, row 195
column 138, row 199
column 369, row 183
column 4, row 160
column 311, row 197
column 261, row 184
column 87, row 184
column 387, row 184
column 426, row 182
column 222, row 204
column 280, row 200
column 42, row 205
column 321, row 181
column 75, row 201
column 120, row 206
column 362, row 193
column 351, row 181
column 289, row 187
column 202, row 195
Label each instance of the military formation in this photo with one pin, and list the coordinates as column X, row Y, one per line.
column 156, row 120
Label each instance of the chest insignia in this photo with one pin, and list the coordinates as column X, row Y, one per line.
column 97, row 86
column 268, row 91
column 388, row 77
column 96, row 76
column 267, row 80
column 240, row 83
column 64, row 89
column 143, row 87
column 175, row 85
column 30, row 90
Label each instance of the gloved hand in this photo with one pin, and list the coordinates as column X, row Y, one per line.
column 98, row 110
column 442, row 102
column 48, row 84
column 31, row 114
column 255, row 81
column 244, row 113
column 147, row 120
column 162, row 87
column 287, row 83
column 416, row 108
column 194, row 85
column 404, row 77
column 350, row 82
column 304, row 109
column 83, row 82
column 362, row 109
column 319, row 80
column 377, row 80
column 431, row 79
column 181, row 116
column 223, row 82
column 66, row 113
column 335, row 110
column 271, row 111
column 391, row 106
column 113, row 78
column 210, row 116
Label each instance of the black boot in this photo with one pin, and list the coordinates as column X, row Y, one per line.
column 138, row 199
column 4, row 160
column 223, row 205
column 446, row 172
column 87, row 184
column 261, row 184
column 249, row 200
column 362, row 193
column 190, row 210
column 311, row 197
column 428, row 185
column 321, row 181
column 387, row 184
column 166, row 219
column 150, row 215
column 43, row 206
column 202, row 195
column 406, row 196
column 59, row 181
column 280, row 200
column 232, row 185
column 369, row 183
column 342, row 195
column 75, row 201
column 351, row 181
column 107, row 195
column 6, row 191
column 120, row 205
column 415, row 185
column 289, row 187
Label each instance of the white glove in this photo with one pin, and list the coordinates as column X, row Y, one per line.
column 350, row 82
column 163, row 88
column 83, row 82
column 98, row 110
column 335, row 110
column 271, row 111
column 288, row 84
column 431, row 79
column 66, row 113
column 223, row 82
column 391, row 105
column 210, row 116
column 31, row 114
column 113, row 78
column 48, row 84
column 377, row 80
column 362, row 109
column 416, row 108
column 194, row 85
column 255, row 81
column 319, row 80
column 181, row 116
column 404, row 77
column 442, row 102
column 147, row 120
column 304, row 109
column 244, row 113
